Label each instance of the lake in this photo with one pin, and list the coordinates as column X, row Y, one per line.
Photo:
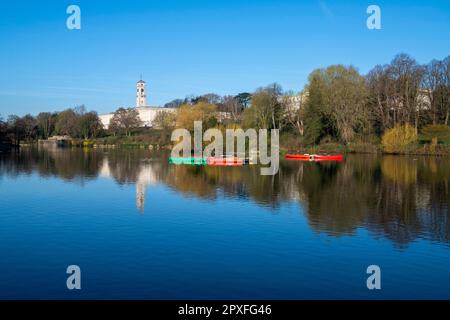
column 140, row 228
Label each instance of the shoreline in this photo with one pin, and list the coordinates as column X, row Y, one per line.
column 416, row 150
column 329, row 148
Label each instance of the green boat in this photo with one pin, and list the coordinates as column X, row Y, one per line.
column 191, row 161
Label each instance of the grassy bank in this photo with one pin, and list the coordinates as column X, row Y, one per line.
column 403, row 140
column 289, row 143
column 365, row 148
column 324, row 148
column 142, row 138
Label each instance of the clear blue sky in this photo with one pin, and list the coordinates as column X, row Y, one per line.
column 194, row 47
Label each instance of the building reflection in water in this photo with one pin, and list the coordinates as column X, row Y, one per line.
column 399, row 198
column 145, row 177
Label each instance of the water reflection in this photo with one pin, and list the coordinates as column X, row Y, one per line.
column 400, row 198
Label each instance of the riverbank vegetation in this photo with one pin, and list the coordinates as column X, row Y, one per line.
column 400, row 107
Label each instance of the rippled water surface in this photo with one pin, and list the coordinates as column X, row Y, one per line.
column 141, row 228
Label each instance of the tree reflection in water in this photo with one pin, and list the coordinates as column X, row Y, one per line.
column 400, row 198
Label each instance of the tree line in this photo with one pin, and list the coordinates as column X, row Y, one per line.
column 347, row 106
column 337, row 104
column 75, row 122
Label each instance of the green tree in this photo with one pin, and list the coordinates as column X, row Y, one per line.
column 267, row 109
column 174, row 103
column 244, row 99
column 165, row 121
column 16, row 129
column 202, row 111
column 90, row 125
column 259, row 115
column 316, row 117
column 337, row 103
column 67, row 123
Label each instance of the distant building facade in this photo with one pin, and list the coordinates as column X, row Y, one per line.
column 296, row 101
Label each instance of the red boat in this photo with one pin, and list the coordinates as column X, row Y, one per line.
column 300, row 157
column 329, row 158
column 314, row 157
column 225, row 161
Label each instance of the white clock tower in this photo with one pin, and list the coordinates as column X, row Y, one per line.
column 140, row 94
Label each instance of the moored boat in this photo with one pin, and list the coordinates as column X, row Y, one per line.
column 188, row 161
column 314, row 157
column 329, row 158
column 304, row 157
column 225, row 161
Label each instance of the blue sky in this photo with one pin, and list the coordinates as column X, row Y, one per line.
column 195, row 47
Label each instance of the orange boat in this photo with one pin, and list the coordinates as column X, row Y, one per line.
column 314, row 157
column 225, row 161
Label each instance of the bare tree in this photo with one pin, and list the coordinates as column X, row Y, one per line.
column 165, row 120
column 213, row 98
column 125, row 120
column 267, row 109
column 46, row 124
column 30, row 127
column 407, row 76
column 232, row 105
column 395, row 93
column 446, row 88
column 4, row 139
column 381, row 97
column 174, row 103
column 295, row 111
column 15, row 129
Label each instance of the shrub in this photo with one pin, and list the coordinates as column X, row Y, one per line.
column 290, row 141
column 441, row 133
column 88, row 143
column 399, row 138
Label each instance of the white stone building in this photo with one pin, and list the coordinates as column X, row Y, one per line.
column 296, row 101
column 146, row 113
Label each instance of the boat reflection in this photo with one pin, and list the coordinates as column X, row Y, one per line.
column 399, row 198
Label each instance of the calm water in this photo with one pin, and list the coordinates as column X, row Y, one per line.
column 139, row 228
